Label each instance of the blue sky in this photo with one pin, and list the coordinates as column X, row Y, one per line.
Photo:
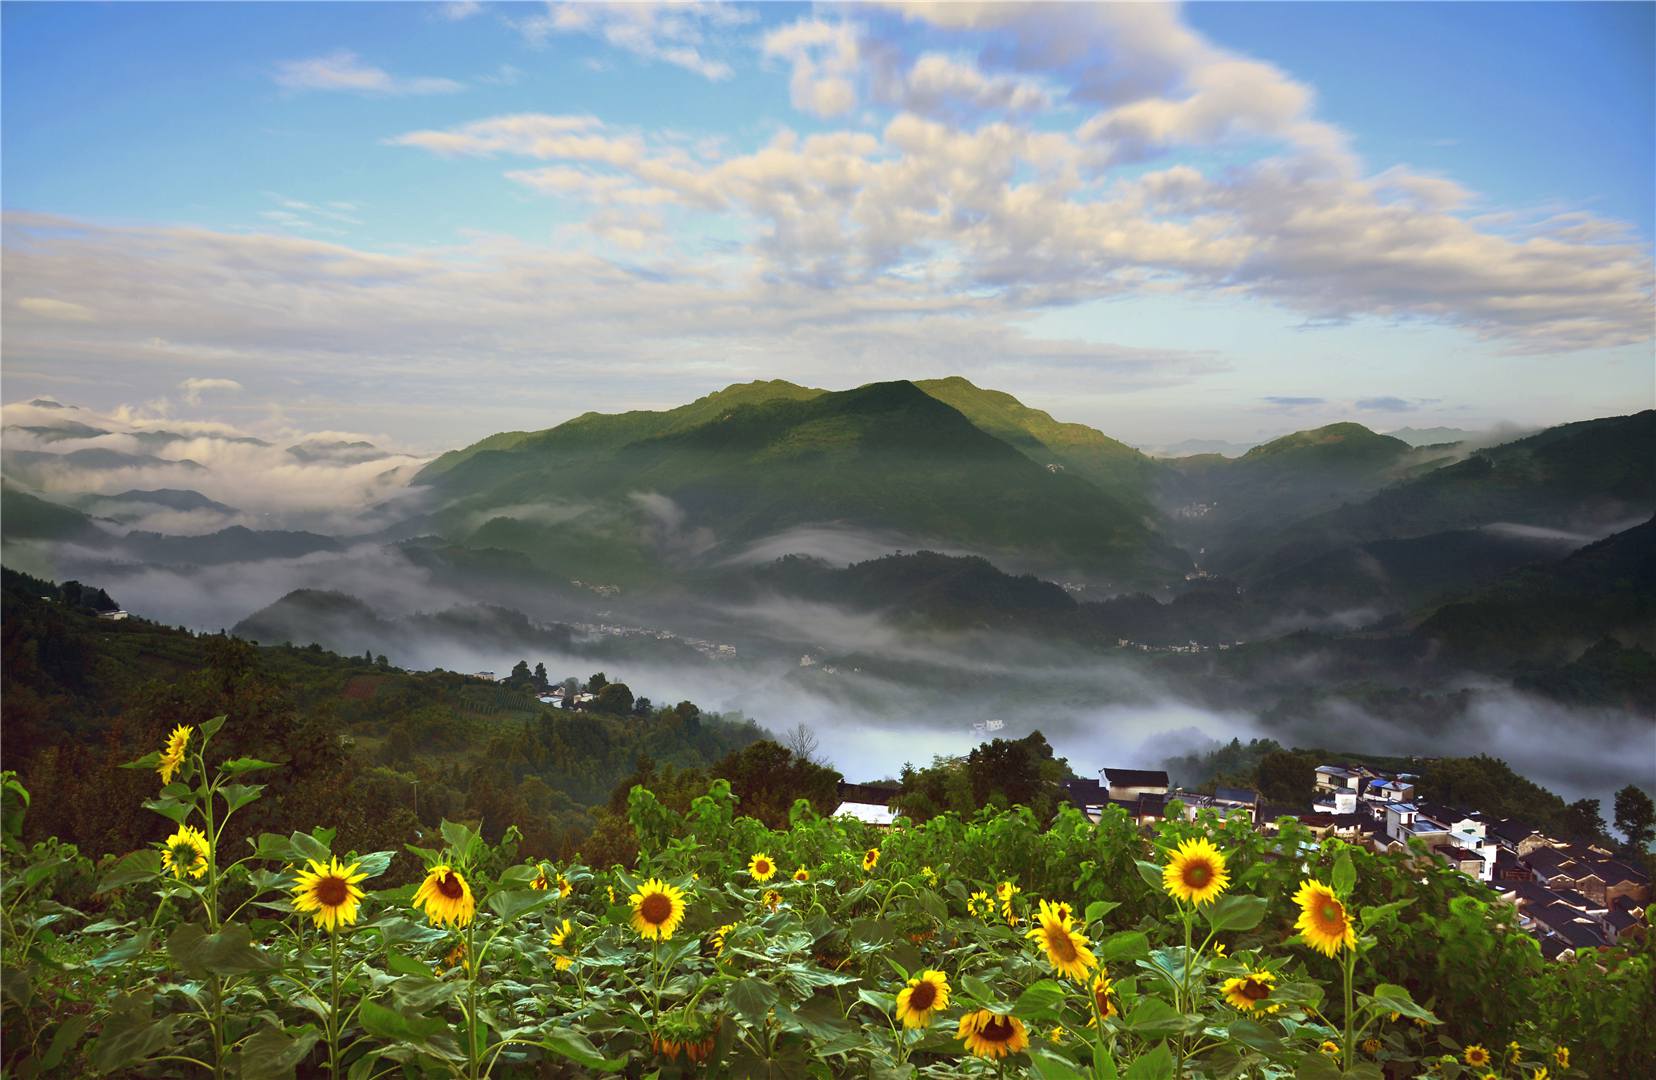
column 430, row 222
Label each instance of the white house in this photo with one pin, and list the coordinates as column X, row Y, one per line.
column 874, row 814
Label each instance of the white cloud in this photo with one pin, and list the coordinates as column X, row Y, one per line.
column 344, row 70
column 680, row 34
column 48, row 308
column 194, row 388
column 825, row 59
column 941, row 85
column 458, row 10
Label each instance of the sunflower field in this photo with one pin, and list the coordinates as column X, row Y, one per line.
column 991, row 947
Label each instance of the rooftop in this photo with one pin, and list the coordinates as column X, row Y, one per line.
column 1135, row 777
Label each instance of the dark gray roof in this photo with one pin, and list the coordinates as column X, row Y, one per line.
column 1547, row 861
column 1528, row 893
column 1580, row 935
column 1552, row 948
column 1136, row 777
column 1614, row 872
column 1233, row 794
column 1511, row 830
column 1576, row 900
column 1623, row 920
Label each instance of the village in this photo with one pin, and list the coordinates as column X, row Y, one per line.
column 1568, row 896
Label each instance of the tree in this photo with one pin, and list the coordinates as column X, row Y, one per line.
column 801, row 741
column 614, row 698
column 641, row 707
column 1288, row 777
column 1583, row 821
column 540, row 678
column 381, row 662
column 767, row 778
column 597, row 682
column 1635, row 818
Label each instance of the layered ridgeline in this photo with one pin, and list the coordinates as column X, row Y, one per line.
column 625, row 498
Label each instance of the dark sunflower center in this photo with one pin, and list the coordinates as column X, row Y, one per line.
column 1256, row 989
column 656, row 909
column 1102, row 997
column 1059, row 942
column 997, row 1030
column 923, row 997
column 331, row 891
column 450, row 886
column 1197, row 874
column 1333, row 916
column 761, row 867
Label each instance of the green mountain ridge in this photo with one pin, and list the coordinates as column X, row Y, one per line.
column 758, row 458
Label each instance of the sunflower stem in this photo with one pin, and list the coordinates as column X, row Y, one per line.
column 333, row 1003
column 1350, row 969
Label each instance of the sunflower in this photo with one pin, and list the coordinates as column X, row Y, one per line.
column 560, row 938
column 1322, row 919
column 658, row 908
column 456, row 958
column 980, row 904
column 1330, row 1048
column 992, row 1035
column 772, row 899
column 1371, row 1047
column 761, row 868
column 329, row 892
column 930, row 875
column 1103, row 997
column 1195, row 872
column 1540, row 1074
column 802, row 874
column 1008, row 892
column 718, row 938
column 1514, row 1052
column 1562, row 1056
column 446, row 897
column 172, row 755
column 871, row 859
column 1251, row 992
column 1476, row 1056
column 611, row 890
column 187, row 852
column 925, row 994
column 1066, row 949
column 543, row 880
column 564, row 887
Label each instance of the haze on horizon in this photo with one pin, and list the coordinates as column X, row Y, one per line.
column 429, row 223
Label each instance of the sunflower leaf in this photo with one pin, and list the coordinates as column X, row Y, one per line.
column 1040, row 1000
column 1155, row 1065
column 138, row 866
column 577, row 1048
column 1236, row 911
column 1345, row 874
column 1098, row 909
column 306, row 846
column 752, row 999
column 510, row 904
column 1048, row 1065
column 169, row 808
column 1151, row 873
column 239, row 795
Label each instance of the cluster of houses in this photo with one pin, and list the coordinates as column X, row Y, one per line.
column 1570, row 896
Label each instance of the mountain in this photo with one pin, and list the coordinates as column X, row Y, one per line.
column 235, row 544
column 1190, row 447
column 1113, row 467
column 1584, row 478
column 68, row 429
column 627, row 495
column 129, row 504
column 97, row 458
column 1552, row 612
column 1218, row 503
column 29, row 518
column 1435, row 436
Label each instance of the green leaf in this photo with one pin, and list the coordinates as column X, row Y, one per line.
column 1152, row 874
column 138, row 866
column 229, row 952
column 1155, row 1065
column 1255, row 1036
column 307, row 847
column 170, row 808
column 132, row 947
column 977, row 988
column 247, row 765
column 1098, row 909
column 1127, row 945
column 459, row 839
column 374, row 863
column 579, row 1049
column 64, row 1039
column 1345, row 874
column 384, row 1023
column 211, row 727
column 1153, row 1016
column 1235, row 912
column 273, row 1053
column 129, row 1035
column 1047, row 1064
column 1390, row 997
column 402, row 964
column 751, row 999
column 149, row 762
column 239, row 795
column 514, row 903
column 1377, row 916
column 1317, row 1066
column 1040, row 999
